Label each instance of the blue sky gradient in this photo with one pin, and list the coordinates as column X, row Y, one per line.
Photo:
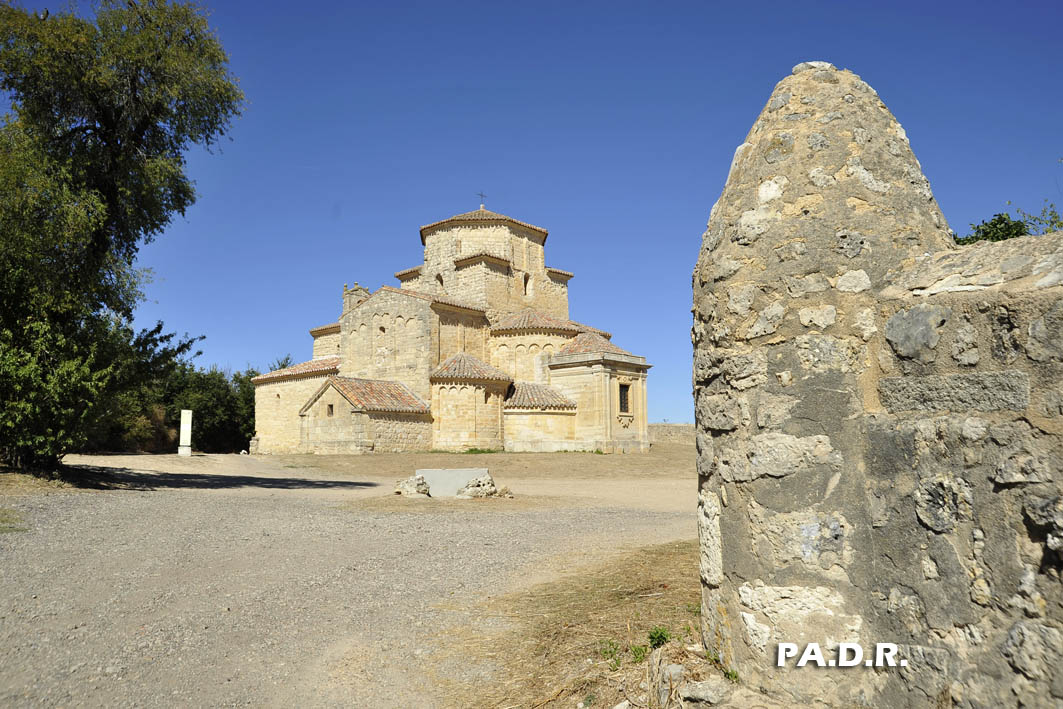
column 612, row 124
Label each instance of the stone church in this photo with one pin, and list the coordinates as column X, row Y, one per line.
column 473, row 349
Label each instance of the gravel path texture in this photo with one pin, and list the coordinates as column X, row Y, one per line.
column 256, row 581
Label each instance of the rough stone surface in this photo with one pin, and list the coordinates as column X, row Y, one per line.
column 822, row 316
column 879, row 420
column 990, row 391
column 413, row 486
column 914, row 333
column 483, row 486
column 706, row 693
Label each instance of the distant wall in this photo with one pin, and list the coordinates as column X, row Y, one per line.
column 672, row 433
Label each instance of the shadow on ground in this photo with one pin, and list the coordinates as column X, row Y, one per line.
column 101, row 478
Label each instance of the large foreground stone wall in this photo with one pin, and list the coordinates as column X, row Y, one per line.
column 879, row 420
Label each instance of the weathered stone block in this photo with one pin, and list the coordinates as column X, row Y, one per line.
column 991, row 391
column 914, row 333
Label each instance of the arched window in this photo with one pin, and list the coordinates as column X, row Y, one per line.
column 527, row 284
column 439, row 279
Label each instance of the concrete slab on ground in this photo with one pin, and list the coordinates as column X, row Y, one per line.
column 445, row 482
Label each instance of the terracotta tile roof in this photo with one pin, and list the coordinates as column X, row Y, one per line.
column 587, row 328
column 588, row 342
column 407, row 272
column 530, row 319
column 465, row 366
column 482, row 216
column 329, row 329
column 315, row 367
column 375, row 395
column 526, row 395
column 563, row 273
column 444, row 300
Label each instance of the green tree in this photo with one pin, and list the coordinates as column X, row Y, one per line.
column 130, row 415
column 91, row 167
column 216, row 425
column 245, row 404
column 1047, row 221
column 1000, row 227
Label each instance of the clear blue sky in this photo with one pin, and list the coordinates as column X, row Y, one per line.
column 612, row 124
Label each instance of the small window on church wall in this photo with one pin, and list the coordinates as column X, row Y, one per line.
column 330, row 409
column 439, row 279
column 625, row 398
column 527, row 284
column 382, row 330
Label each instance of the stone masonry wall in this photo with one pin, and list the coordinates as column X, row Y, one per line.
column 524, row 356
column 498, row 288
column 338, row 429
column 277, row 420
column 672, row 433
column 326, row 345
column 393, row 432
column 387, row 337
column 467, row 415
column 541, row 431
column 879, row 420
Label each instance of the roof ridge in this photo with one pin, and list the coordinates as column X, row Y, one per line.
column 462, row 365
column 444, row 300
column 376, row 395
column 320, row 365
column 532, row 395
column 480, row 215
column 587, row 342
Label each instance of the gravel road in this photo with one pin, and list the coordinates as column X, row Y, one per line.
column 236, row 580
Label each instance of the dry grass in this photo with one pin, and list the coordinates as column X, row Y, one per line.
column 583, row 637
column 664, row 460
column 454, row 506
column 17, row 483
column 10, row 521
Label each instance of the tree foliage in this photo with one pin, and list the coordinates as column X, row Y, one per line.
column 999, row 228
column 1002, row 226
column 91, row 167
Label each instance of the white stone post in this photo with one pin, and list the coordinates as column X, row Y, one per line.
column 185, row 447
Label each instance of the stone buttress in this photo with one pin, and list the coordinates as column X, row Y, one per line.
column 878, row 419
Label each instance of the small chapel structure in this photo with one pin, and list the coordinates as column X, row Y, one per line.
column 474, row 349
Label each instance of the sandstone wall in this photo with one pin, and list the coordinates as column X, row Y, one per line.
column 326, row 345
column 593, row 382
column 277, row 420
column 524, row 283
column 387, row 337
column 333, row 430
column 671, row 433
column 878, row 420
column 541, row 431
column 524, row 356
column 459, row 331
column 467, row 415
column 397, row 433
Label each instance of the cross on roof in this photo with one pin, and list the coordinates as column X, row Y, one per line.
column 483, row 199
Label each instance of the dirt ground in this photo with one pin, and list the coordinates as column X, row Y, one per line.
column 299, row 580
